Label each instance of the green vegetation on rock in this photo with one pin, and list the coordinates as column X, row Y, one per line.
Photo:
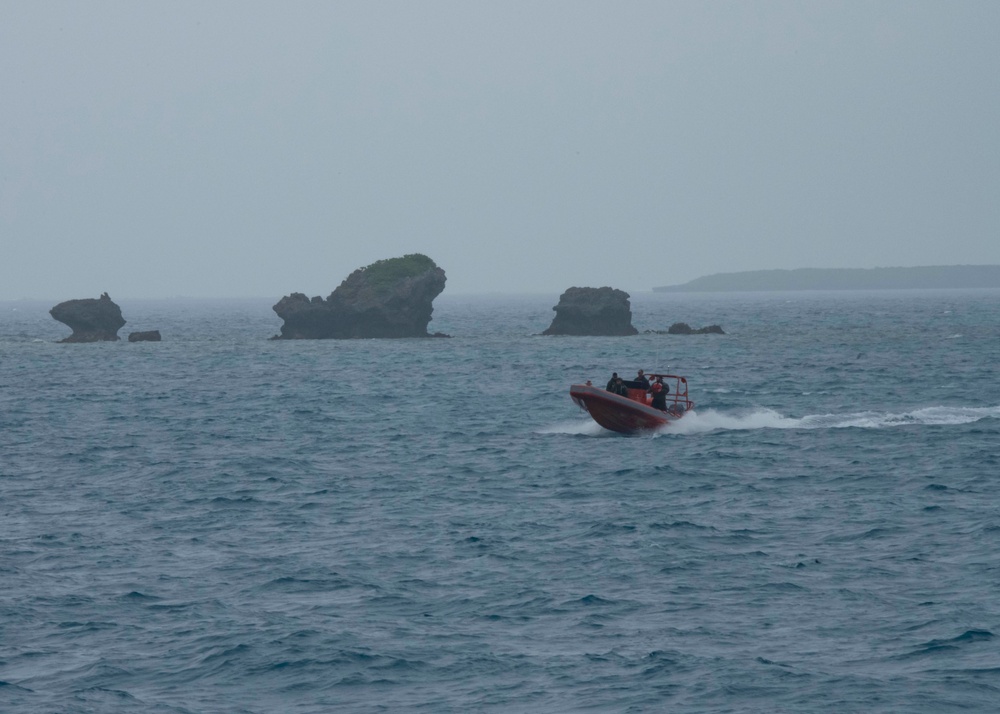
column 383, row 273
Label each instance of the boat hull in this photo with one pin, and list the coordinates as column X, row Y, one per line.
column 618, row 413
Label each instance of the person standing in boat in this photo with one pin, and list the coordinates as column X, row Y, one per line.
column 641, row 381
column 659, row 400
column 617, row 385
column 660, row 392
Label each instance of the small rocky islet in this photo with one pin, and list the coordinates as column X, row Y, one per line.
column 96, row 320
column 91, row 319
column 682, row 328
column 607, row 312
column 593, row 312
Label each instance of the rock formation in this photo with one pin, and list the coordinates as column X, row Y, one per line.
column 147, row 336
column 389, row 298
column 92, row 320
column 592, row 311
column 682, row 328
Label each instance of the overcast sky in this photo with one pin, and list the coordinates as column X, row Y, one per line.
column 248, row 148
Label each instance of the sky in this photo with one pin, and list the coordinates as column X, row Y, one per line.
column 252, row 149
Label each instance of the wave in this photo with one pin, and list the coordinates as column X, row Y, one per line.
column 711, row 420
column 575, row 426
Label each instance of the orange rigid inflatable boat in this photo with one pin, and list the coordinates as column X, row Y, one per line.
column 634, row 412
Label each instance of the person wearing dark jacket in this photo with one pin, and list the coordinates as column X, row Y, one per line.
column 659, row 400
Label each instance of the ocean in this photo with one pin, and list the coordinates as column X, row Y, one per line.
column 220, row 522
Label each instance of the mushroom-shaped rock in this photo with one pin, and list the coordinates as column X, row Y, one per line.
column 592, row 311
column 389, row 298
column 92, row 320
column 145, row 336
column 682, row 328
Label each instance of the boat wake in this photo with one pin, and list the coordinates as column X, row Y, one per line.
column 710, row 420
column 700, row 422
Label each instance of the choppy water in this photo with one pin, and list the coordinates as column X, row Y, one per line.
column 222, row 523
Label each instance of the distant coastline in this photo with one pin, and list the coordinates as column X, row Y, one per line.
column 926, row 277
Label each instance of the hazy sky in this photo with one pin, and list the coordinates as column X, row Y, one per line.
column 153, row 149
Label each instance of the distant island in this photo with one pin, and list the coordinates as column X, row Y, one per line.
column 932, row 276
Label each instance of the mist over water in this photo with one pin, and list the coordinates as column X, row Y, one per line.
column 219, row 522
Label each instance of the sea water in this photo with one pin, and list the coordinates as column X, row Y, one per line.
column 224, row 523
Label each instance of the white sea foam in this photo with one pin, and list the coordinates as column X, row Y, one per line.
column 711, row 420
column 576, row 426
